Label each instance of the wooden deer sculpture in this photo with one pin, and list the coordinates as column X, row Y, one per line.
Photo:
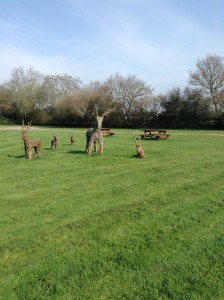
column 54, row 142
column 28, row 145
column 139, row 149
column 94, row 135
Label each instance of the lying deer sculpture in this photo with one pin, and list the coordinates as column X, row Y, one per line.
column 94, row 135
column 139, row 149
column 28, row 145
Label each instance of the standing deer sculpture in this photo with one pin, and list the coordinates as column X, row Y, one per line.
column 28, row 145
column 54, row 142
column 94, row 135
column 139, row 149
column 72, row 139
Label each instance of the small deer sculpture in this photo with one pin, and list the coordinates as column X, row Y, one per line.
column 28, row 145
column 54, row 142
column 139, row 149
column 94, row 135
column 72, row 139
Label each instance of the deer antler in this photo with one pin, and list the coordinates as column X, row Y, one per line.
column 28, row 125
column 107, row 112
column 24, row 129
column 96, row 108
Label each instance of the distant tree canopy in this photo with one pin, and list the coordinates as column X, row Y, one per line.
column 64, row 100
column 209, row 78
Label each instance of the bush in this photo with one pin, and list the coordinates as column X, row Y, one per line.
column 6, row 121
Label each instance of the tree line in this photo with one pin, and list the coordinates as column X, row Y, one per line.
column 63, row 100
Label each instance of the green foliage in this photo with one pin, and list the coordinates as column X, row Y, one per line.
column 6, row 121
column 75, row 226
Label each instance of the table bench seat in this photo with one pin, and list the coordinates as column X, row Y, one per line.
column 106, row 132
column 154, row 134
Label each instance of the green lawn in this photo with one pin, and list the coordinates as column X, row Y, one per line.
column 74, row 226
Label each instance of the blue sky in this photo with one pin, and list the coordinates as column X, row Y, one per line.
column 157, row 40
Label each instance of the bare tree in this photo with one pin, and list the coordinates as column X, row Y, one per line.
column 129, row 93
column 209, row 77
column 6, row 102
column 100, row 93
column 72, row 107
column 24, row 85
column 57, row 86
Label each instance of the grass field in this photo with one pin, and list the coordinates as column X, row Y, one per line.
column 112, row 227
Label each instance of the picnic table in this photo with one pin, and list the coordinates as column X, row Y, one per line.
column 106, row 132
column 155, row 134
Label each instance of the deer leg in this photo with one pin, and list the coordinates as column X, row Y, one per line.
column 91, row 142
column 26, row 152
column 30, row 153
column 87, row 144
column 95, row 146
column 35, row 149
column 101, row 147
column 88, row 148
column 38, row 149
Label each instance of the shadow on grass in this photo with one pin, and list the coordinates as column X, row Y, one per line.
column 77, row 152
column 16, row 156
column 49, row 148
